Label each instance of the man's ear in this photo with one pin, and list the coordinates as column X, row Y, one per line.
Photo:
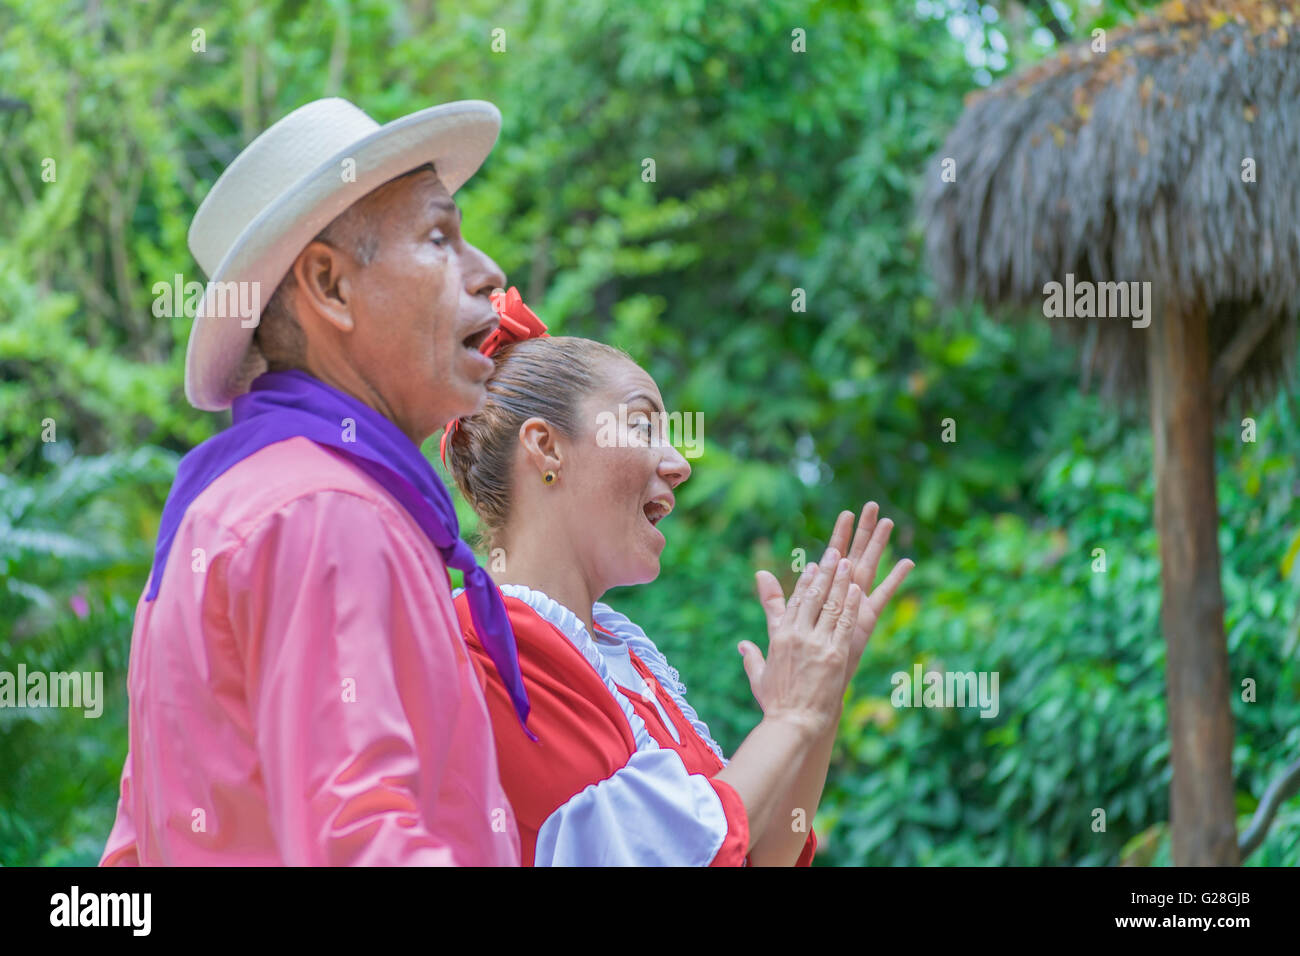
column 541, row 445
column 324, row 281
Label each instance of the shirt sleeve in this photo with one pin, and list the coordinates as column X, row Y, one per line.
column 731, row 854
column 351, row 682
column 651, row 812
column 121, row 849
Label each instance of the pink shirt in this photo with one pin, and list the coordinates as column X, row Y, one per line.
column 300, row 692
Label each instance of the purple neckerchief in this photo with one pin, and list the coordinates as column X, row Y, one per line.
column 281, row 405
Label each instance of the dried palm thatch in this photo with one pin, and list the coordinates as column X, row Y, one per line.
column 1129, row 165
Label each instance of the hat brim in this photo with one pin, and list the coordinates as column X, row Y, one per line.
column 455, row 137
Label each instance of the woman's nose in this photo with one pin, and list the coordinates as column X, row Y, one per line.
column 673, row 466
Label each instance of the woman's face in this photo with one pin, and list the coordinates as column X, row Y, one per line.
column 617, row 480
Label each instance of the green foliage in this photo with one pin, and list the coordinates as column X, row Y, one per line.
column 1081, row 661
column 75, row 547
column 781, row 182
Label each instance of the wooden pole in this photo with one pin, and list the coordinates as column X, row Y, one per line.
column 1202, row 805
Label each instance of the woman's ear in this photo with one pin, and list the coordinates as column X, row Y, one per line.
column 541, row 444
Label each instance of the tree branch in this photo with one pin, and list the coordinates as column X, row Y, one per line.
column 1285, row 786
column 1231, row 360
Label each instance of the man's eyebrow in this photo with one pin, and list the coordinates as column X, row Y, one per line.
column 649, row 400
column 444, row 204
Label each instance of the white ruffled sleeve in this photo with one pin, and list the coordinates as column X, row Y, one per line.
column 651, row 811
column 664, row 673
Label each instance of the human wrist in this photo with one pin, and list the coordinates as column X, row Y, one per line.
column 807, row 725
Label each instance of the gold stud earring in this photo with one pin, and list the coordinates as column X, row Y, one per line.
column 549, row 477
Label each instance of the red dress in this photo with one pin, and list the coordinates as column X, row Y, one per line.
column 607, row 782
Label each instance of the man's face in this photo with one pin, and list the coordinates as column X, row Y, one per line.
column 421, row 309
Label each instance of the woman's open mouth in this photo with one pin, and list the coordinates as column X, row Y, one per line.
column 656, row 510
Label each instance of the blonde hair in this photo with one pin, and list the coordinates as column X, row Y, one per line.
column 544, row 378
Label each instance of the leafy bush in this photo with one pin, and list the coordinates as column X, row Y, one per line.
column 73, row 547
column 783, row 182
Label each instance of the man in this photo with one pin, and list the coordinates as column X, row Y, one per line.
column 299, row 690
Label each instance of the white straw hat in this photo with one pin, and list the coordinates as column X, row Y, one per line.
column 281, row 191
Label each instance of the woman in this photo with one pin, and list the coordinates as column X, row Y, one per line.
column 570, row 473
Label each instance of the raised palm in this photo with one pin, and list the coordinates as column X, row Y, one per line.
column 868, row 547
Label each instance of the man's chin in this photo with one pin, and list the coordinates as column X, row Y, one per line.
column 470, row 399
column 476, row 393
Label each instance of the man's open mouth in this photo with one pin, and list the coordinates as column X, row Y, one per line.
column 475, row 342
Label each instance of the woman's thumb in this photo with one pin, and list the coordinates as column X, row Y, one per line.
column 753, row 660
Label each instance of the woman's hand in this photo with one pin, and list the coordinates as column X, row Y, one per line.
column 780, row 769
column 864, row 556
column 810, row 641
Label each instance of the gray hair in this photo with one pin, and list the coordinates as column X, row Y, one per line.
column 279, row 339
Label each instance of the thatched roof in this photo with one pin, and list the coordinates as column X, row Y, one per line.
column 1127, row 165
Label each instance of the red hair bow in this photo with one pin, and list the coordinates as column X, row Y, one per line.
column 518, row 322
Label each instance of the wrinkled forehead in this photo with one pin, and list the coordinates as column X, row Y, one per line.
column 622, row 380
column 419, row 193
